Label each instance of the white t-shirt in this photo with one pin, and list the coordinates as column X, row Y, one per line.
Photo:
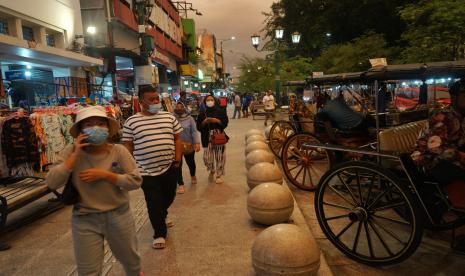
column 268, row 101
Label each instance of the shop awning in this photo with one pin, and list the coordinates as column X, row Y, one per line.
column 12, row 48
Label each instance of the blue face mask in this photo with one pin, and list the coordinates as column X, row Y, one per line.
column 154, row 108
column 96, row 135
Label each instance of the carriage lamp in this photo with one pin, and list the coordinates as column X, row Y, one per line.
column 295, row 37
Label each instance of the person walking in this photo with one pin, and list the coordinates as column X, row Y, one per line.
column 246, row 101
column 102, row 174
column 210, row 123
column 154, row 137
column 190, row 143
column 237, row 106
column 270, row 105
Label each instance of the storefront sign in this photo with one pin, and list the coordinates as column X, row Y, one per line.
column 159, row 57
column 187, row 70
column 15, row 75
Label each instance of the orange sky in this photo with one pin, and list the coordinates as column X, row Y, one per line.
column 226, row 18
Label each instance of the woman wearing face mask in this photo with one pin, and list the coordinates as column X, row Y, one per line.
column 212, row 121
column 102, row 173
column 191, row 143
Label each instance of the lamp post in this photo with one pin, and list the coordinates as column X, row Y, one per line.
column 279, row 34
column 222, row 53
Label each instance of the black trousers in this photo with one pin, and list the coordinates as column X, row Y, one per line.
column 190, row 160
column 446, row 172
column 159, row 192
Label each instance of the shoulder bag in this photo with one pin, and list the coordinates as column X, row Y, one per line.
column 70, row 194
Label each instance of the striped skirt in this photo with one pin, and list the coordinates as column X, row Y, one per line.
column 214, row 157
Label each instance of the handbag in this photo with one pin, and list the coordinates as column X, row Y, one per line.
column 219, row 138
column 70, row 195
column 187, row 148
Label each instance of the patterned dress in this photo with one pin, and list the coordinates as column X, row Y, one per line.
column 442, row 139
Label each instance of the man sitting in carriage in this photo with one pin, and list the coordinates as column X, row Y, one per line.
column 440, row 151
column 336, row 113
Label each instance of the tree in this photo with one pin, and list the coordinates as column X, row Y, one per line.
column 435, row 30
column 354, row 56
column 327, row 22
column 257, row 74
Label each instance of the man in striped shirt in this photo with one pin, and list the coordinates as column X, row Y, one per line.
column 153, row 136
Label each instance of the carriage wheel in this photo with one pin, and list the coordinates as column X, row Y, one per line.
column 357, row 206
column 279, row 132
column 304, row 167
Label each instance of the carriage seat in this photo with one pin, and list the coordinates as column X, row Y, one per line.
column 401, row 139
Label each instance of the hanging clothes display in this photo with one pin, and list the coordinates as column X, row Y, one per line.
column 19, row 142
column 3, row 167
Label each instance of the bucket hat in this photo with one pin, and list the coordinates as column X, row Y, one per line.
column 94, row 111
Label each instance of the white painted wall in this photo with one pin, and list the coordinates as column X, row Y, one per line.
column 62, row 14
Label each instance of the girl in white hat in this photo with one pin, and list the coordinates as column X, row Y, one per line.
column 102, row 173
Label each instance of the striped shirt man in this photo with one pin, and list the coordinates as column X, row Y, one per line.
column 153, row 139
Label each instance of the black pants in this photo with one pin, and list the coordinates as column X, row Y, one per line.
column 159, row 193
column 446, row 172
column 190, row 160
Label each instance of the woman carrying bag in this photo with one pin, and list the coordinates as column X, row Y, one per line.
column 101, row 174
column 211, row 124
column 190, row 143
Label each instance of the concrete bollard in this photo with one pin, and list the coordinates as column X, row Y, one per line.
column 254, row 138
column 258, row 156
column 262, row 173
column 270, row 203
column 284, row 249
column 252, row 132
column 256, row 145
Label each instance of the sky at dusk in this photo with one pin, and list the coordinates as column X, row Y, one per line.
column 226, row 18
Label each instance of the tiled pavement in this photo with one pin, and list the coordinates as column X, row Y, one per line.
column 212, row 235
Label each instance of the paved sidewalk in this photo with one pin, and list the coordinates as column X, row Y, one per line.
column 212, row 235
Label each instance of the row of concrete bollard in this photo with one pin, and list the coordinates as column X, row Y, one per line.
column 283, row 248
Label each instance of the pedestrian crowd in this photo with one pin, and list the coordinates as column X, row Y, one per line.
column 98, row 174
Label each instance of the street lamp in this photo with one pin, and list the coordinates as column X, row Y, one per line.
column 295, row 37
column 279, row 35
column 221, row 49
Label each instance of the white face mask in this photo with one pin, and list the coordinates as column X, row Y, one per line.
column 210, row 103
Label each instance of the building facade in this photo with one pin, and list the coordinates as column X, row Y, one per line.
column 39, row 44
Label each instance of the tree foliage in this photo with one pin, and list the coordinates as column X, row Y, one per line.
column 258, row 75
column 344, row 20
column 341, row 35
column 435, row 31
column 353, row 56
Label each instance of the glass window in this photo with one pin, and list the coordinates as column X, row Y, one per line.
column 50, row 40
column 3, row 26
column 28, row 33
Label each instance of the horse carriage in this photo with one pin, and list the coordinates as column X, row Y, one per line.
column 374, row 208
column 302, row 167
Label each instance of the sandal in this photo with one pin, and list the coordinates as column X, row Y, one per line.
column 159, row 243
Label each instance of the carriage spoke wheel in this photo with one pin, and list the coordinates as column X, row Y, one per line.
column 358, row 207
column 304, row 167
column 279, row 132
